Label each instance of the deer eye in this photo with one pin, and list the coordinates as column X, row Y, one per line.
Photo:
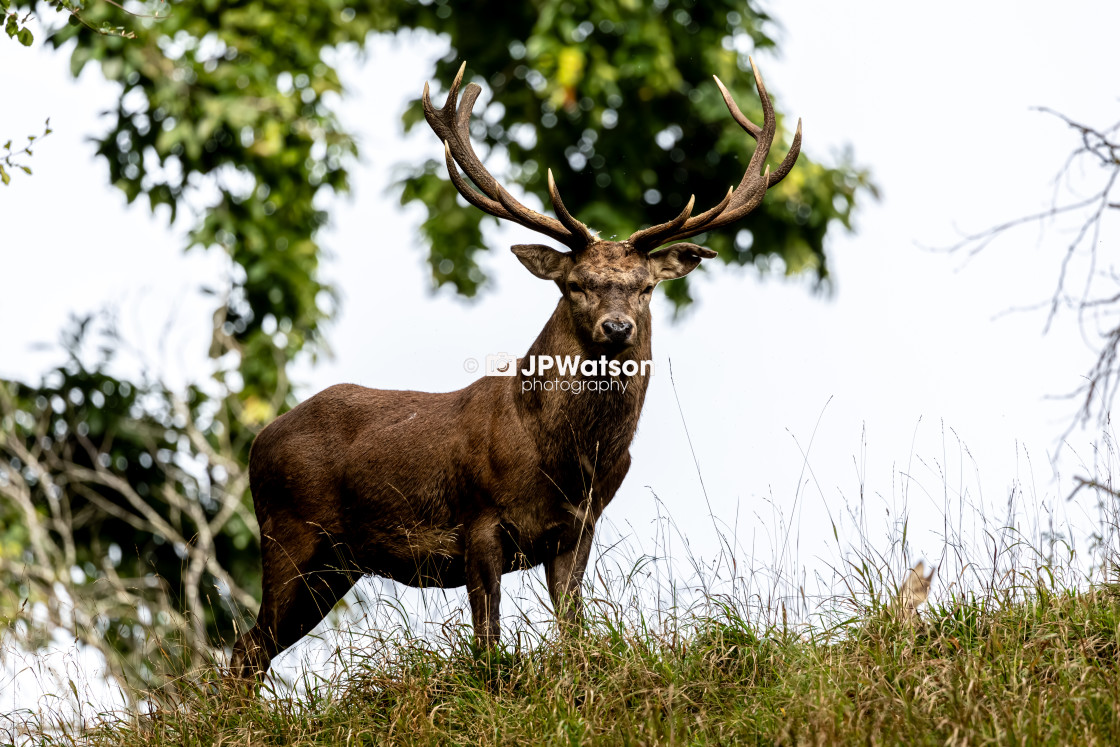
column 574, row 288
column 648, row 290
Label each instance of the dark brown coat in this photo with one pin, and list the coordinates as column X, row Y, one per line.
column 511, row 472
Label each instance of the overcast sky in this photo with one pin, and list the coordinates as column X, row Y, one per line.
column 907, row 384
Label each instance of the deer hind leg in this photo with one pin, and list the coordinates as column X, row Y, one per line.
column 303, row 577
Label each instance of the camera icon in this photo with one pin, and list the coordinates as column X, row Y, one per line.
column 501, row 364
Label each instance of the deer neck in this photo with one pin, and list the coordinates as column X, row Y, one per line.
column 582, row 410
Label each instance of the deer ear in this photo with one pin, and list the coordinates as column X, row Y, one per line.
column 677, row 260
column 544, row 261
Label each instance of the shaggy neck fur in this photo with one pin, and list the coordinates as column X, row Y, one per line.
column 576, row 423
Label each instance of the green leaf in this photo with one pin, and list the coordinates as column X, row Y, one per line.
column 25, row 36
column 4, row 175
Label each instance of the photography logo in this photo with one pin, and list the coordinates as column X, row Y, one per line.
column 569, row 373
column 501, row 364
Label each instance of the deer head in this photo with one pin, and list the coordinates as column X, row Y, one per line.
column 607, row 284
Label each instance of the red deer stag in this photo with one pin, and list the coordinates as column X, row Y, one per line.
column 511, row 472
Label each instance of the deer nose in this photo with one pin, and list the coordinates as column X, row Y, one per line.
column 617, row 330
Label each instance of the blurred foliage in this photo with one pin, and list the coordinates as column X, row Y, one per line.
column 230, row 100
column 229, row 109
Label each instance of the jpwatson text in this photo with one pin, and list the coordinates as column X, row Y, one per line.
column 569, row 365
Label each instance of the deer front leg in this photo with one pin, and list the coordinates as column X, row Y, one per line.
column 484, row 580
column 564, row 576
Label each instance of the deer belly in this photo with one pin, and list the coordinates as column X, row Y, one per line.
column 531, row 541
column 415, row 555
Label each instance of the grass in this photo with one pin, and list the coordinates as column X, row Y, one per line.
column 1041, row 668
column 1020, row 644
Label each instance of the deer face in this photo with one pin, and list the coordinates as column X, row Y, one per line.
column 609, row 284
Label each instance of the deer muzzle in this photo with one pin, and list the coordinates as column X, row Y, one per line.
column 617, row 330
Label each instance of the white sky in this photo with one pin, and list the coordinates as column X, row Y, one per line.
column 936, row 100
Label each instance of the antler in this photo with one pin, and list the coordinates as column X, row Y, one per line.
column 740, row 200
column 452, row 124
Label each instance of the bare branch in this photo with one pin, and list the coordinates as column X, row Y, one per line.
column 40, row 476
column 1101, row 149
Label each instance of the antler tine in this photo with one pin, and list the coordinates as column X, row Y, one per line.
column 708, row 215
column 740, row 200
column 754, row 131
column 769, row 128
column 473, row 165
column 438, row 121
column 736, row 113
column 791, row 158
column 650, row 238
column 576, row 227
column 452, row 124
column 436, row 118
column 469, row 193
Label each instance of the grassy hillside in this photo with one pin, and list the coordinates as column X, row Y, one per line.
column 1044, row 669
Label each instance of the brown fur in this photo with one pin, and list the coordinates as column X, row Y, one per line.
column 458, row 488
